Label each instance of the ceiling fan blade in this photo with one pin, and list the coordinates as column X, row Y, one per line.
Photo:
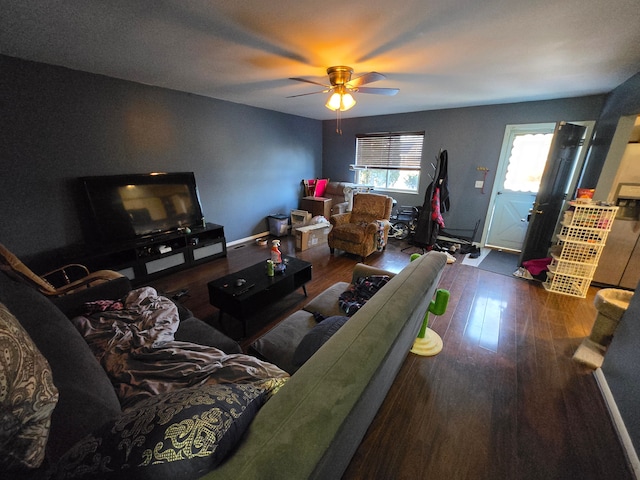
column 378, row 91
column 366, row 78
column 311, row 93
column 298, row 79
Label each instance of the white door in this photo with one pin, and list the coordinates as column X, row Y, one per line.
column 524, row 153
column 509, row 219
column 523, row 157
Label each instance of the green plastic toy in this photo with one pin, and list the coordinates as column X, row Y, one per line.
column 429, row 342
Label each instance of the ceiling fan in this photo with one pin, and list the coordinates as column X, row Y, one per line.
column 341, row 86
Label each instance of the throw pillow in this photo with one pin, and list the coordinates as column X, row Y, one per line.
column 27, row 397
column 316, row 337
column 181, row 434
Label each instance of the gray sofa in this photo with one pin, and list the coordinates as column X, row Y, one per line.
column 313, row 425
column 86, row 402
column 309, row 429
column 279, row 344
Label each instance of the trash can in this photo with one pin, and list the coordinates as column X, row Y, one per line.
column 611, row 303
column 278, row 225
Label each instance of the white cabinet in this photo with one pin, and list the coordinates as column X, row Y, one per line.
column 582, row 237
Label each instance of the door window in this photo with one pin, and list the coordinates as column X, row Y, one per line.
column 526, row 161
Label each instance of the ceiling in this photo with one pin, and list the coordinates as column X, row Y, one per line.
column 439, row 53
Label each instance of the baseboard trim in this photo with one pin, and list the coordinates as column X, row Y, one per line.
column 247, row 239
column 618, row 422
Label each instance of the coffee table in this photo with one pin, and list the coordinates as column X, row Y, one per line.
column 259, row 291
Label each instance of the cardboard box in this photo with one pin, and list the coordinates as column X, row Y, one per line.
column 299, row 218
column 312, row 236
column 317, row 206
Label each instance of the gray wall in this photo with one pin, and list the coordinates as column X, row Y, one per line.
column 620, row 369
column 620, row 365
column 58, row 124
column 472, row 136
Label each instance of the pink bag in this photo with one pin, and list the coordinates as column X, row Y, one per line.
column 537, row 265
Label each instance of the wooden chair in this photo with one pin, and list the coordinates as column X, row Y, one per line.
column 365, row 228
column 315, row 187
column 17, row 270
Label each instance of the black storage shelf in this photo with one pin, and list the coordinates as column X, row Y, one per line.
column 151, row 257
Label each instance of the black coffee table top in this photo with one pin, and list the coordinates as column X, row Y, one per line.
column 259, row 290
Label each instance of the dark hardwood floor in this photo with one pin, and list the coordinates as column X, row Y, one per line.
column 503, row 400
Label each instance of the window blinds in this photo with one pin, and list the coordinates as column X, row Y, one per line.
column 399, row 151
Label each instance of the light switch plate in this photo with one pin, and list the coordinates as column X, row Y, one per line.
column 479, row 184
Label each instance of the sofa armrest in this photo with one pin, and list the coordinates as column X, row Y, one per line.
column 363, row 270
column 72, row 304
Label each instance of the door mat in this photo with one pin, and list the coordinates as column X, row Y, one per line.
column 496, row 261
column 504, row 263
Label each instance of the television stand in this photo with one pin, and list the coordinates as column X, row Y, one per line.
column 147, row 258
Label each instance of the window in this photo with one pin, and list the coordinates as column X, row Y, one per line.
column 389, row 161
column 529, row 147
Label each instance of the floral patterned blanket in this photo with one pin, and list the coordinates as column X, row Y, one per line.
column 134, row 342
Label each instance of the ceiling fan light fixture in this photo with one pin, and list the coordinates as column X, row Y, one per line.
column 334, row 102
column 341, row 86
column 340, row 100
column 347, row 101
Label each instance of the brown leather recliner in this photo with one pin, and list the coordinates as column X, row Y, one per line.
column 365, row 229
column 341, row 195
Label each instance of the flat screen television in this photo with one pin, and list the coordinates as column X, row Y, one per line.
column 135, row 206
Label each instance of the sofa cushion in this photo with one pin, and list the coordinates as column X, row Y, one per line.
column 195, row 330
column 27, row 397
column 279, row 344
column 86, row 397
column 181, row 434
column 351, row 232
column 315, row 338
column 326, row 304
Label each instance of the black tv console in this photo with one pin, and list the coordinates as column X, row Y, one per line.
column 150, row 257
